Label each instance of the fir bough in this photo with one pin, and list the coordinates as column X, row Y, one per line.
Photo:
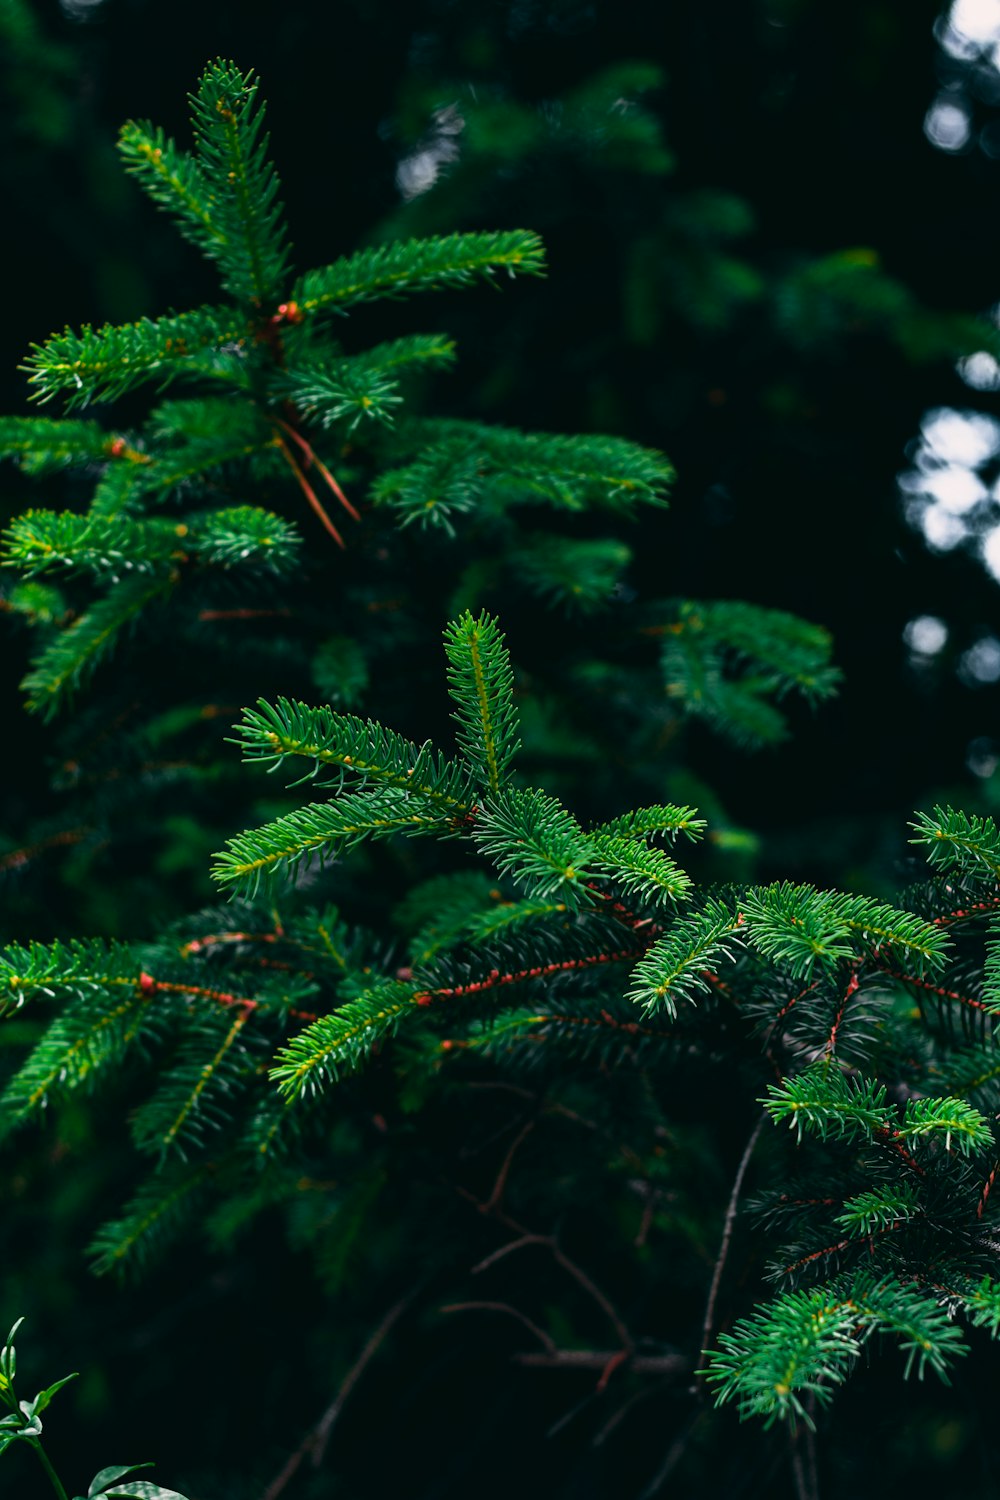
column 572, row 959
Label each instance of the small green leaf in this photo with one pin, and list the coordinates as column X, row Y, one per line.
column 33, row 1425
column 106, row 1477
column 143, row 1489
column 43, row 1398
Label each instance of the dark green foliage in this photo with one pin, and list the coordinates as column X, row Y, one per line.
column 512, row 994
column 727, row 662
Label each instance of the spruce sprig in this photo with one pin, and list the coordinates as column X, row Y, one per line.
column 105, row 363
column 955, row 840
column 248, row 234
column 481, row 682
column 417, row 265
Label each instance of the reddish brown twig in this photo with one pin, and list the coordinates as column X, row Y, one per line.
column 495, row 978
column 244, row 614
column 308, row 490
column 852, row 985
column 932, row 989
column 312, row 457
column 15, row 859
column 149, row 985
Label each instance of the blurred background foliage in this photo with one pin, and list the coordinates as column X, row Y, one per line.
column 773, row 255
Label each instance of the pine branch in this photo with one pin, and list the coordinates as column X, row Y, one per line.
column 959, row 841
column 111, row 547
column 799, row 928
column 120, row 491
column 962, row 1126
column 104, row 363
column 71, row 970
column 795, row 927
column 794, row 1352
column 675, row 967
column 459, row 466
column 339, row 1043
column 828, row 1104
column 250, row 244
column 436, row 913
column 73, row 655
column 89, row 1038
column 884, row 928
column 196, row 1094
column 198, row 440
column 644, row 821
column 342, row 392
column 481, row 684
column 323, row 831
column 439, row 485
column 41, row 540
column 414, row 351
column 991, row 970
column 43, row 446
column 246, row 537
column 796, row 651
column 417, row 265
column 603, row 1037
column 174, row 181
column 878, row 1209
column 501, row 919
column 725, row 662
column 351, row 750
column 533, row 839
column 639, row 871
column 581, row 573
column 164, row 1206
column 361, row 386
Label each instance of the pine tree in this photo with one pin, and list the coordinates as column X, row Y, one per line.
column 473, row 905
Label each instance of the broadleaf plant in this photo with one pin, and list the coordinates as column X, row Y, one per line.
column 23, row 1424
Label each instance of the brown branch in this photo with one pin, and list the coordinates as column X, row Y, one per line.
column 852, row 986
column 495, row 978
column 315, row 1442
column 511, row 1245
column 244, row 614
column 308, row 490
column 675, row 1453
column 602, row 1359
column 621, row 1412
column 932, row 989
column 578, row 1274
column 494, row 1200
column 149, row 985
column 504, row 1307
column 312, row 457
column 15, row 859
column 802, row 1452
column 708, row 1322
